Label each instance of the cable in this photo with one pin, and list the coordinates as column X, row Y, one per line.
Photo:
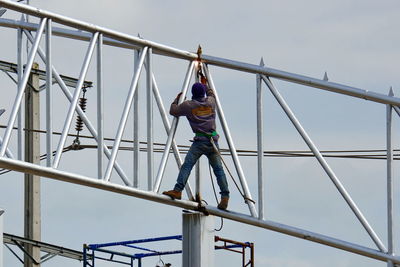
column 216, row 198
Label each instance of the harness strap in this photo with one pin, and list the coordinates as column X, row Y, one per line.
column 214, row 133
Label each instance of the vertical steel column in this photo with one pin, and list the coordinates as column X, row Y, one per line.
column 150, row 152
column 232, row 148
column 136, row 129
column 82, row 114
column 21, row 88
column 198, row 245
column 172, row 131
column 75, row 99
column 389, row 166
column 125, row 113
column 20, row 73
column 324, row 164
column 167, row 128
column 260, row 150
column 197, row 166
column 49, row 94
column 32, row 226
column 100, row 107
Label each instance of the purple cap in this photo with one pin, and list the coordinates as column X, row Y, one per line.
column 198, row 90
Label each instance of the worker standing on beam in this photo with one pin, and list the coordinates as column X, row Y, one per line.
column 200, row 112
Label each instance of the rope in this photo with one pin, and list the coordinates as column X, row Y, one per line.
column 216, row 198
column 230, row 174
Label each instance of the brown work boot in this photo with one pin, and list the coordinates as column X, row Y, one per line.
column 224, row 203
column 173, row 194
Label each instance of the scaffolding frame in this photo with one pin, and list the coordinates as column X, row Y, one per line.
column 89, row 251
column 98, row 37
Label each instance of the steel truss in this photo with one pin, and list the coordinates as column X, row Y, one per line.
column 97, row 37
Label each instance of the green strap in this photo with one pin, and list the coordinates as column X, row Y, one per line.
column 214, row 133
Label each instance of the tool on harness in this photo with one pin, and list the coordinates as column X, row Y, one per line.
column 230, row 174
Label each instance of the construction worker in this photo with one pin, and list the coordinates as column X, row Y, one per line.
column 200, row 112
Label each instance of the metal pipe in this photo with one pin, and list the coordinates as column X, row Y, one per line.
column 125, row 114
column 389, row 168
column 126, row 41
column 20, row 73
column 100, row 107
column 324, row 164
column 172, row 131
column 231, row 215
column 260, row 149
column 75, row 100
column 136, row 129
column 49, row 94
column 94, row 28
column 150, row 152
column 8, row 152
column 78, row 109
column 167, row 128
column 231, row 145
column 21, row 88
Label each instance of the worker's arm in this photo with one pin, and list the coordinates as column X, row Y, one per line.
column 176, row 109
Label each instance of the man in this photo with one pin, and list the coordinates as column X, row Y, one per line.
column 200, row 112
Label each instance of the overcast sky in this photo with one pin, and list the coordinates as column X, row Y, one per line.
column 355, row 42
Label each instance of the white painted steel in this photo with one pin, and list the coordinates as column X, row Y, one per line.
column 125, row 113
column 21, row 88
column 324, row 165
column 79, row 110
column 8, row 151
column 185, row 204
column 198, row 244
column 126, row 41
column 221, row 62
column 150, row 141
column 100, row 107
column 75, row 99
column 389, row 167
column 19, row 73
column 232, row 147
column 136, row 129
column 172, row 131
column 260, row 148
column 49, row 95
column 167, row 128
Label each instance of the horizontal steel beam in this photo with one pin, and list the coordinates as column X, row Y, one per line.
column 69, row 81
column 44, row 247
column 185, row 204
column 117, row 39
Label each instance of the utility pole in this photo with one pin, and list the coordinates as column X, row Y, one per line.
column 32, row 220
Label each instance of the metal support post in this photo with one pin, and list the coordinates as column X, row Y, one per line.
column 32, row 212
column 20, row 73
column 125, row 114
column 1, row 237
column 198, row 240
column 389, row 164
column 172, row 131
column 198, row 181
column 100, row 107
column 260, row 149
column 232, row 148
column 49, row 95
column 21, row 88
column 325, row 165
column 75, row 99
column 136, row 129
column 150, row 152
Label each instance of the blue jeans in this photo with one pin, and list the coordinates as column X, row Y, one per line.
column 199, row 148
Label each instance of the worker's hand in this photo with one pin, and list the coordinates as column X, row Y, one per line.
column 203, row 80
column 178, row 97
